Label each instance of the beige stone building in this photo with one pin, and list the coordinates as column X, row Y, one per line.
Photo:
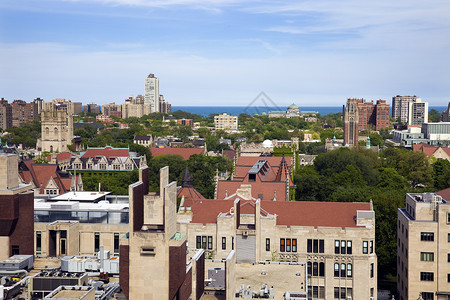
column 225, row 122
column 57, row 126
column 423, row 252
column 336, row 240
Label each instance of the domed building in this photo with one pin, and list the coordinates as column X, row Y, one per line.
column 292, row 111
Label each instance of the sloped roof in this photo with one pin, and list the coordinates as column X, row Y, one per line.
column 61, row 156
column 266, row 189
column 189, row 193
column 425, row 148
column 272, row 160
column 108, row 152
column 293, row 213
column 444, row 193
column 183, row 152
column 229, row 153
column 40, row 174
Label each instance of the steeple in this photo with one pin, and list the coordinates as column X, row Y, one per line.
column 186, row 180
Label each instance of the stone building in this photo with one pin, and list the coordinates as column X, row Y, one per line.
column 423, row 254
column 336, row 240
column 57, row 126
column 16, row 209
column 351, row 122
column 5, row 114
column 225, row 122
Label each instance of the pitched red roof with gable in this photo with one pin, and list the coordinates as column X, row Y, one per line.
column 183, row 152
column 40, row 174
column 107, row 152
column 293, row 213
column 61, row 156
column 266, row 189
column 444, row 194
column 272, row 160
column 425, row 148
column 189, row 193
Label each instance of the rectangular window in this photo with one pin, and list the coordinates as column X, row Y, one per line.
column 321, row 269
column 309, row 245
column 321, row 246
column 282, row 245
column 349, row 247
column 336, row 293
column 15, row 250
column 198, row 242
column 204, row 239
column 315, row 293
column 371, row 247
column 116, row 242
column 336, row 247
column 224, row 243
column 343, row 245
column 343, row 293
column 96, row 241
column 426, row 276
column 427, row 296
column 315, row 271
column 426, row 256
column 321, row 292
column 309, row 265
column 38, row 241
column 372, row 266
column 210, row 243
column 294, row 245
column 316, row 246
column 427, row 236
column 288, row 245
column 232, row 243
column 349, row 270
column 267, row 244
column 448, row 257
column 365, row 247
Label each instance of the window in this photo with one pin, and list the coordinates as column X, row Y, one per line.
column 315, row 270
column 336, row 293
column 448, row 277
column 426, row 276
column 286, row 245
column 96, row 241
column 232, row 243
column 267, row 244
column 349, row 270
column 204, row 242
column 427, row 236
column 426, row 256
column 372, row 266
column 343, row 244
column 342, row 270
column 198, row 242
column 321, row 269
column 315, row 246
column 448, row 257
column 210, row 242
column 38, row 241
column 336, row 247
column 309, row 265
column 349, row 247
column 336, row 270
column 224, row 243
column 365, row 247
column 371, row 247
column 116, row 242
column 427, row 296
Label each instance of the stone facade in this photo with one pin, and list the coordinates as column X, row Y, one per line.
column 57, row 126
column 225, row 122
column 423, row 254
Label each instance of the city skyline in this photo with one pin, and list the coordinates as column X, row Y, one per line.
column 224, row 52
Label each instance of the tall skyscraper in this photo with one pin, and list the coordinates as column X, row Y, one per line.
column 418, row 112
column 151, row 95
column 400, row 107
column 351, row 120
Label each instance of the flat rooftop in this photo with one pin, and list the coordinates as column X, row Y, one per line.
column 81, row 196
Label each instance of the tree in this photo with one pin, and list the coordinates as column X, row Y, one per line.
column 176, row 165
column 434, row 116
column 389, row 178
column 118, row 184
column 441, row 174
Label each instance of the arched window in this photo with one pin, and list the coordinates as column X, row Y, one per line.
column 47, row 130
column 56, row 130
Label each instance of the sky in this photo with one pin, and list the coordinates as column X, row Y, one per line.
column 225, row 52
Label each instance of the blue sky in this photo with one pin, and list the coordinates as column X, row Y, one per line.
column 225, row 52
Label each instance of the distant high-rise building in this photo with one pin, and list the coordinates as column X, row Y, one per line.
column 151, row 95
column 5, row 114
column 92, row 108
column 164, row 106
column 351, row 119
column 225, row 122
column 400, row 107
column 39, row 102
column 24, row 112
column 418, row 112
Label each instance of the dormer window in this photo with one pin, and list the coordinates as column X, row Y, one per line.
column 128, row 167
column 102, row 166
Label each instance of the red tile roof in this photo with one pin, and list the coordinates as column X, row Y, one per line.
column 272, row 160
column 189, row 193
column 267, row 189
column 40, row 174
column 184, row 152
column 425, row 148
column 61, row 156
column 107, row 152
column 293, row 213
column 229, row 153
column 444, row 194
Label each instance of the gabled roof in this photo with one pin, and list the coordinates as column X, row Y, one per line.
column 142, row 137
column 266, row 189
column 429, row 150
column 107, row 151
column 444, row 193
column 183, row 152
column 41, row 174
column 292, row 213
column 189, row 193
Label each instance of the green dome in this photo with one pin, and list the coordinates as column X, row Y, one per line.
column 293, row 106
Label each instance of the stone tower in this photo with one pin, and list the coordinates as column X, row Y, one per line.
column 351, row 120
column 57, row 126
